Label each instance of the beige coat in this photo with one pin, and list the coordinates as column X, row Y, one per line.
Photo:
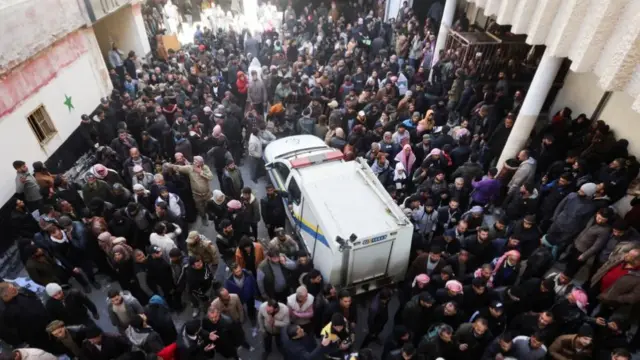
column 232, row 309
column 200, row 183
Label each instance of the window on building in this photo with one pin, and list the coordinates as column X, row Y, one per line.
column 41, row 125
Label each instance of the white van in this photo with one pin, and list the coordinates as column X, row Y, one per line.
column 356, row 235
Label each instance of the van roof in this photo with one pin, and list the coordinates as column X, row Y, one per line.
column 349, row 204
column 289, row 145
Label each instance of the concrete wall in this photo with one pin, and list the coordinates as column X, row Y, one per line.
column 125, row 27
column 624, row 121
column 580, row 92
column 80, row 75
column 29, row 26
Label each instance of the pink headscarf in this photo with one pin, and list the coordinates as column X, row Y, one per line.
column 100, row 171
column 582, row 300
column 422, row 279
column 503, row 258
column 407, row 161
column 234, row 205
column 454, row 286
column 435, row 151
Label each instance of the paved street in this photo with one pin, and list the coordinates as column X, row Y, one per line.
column 100, row 297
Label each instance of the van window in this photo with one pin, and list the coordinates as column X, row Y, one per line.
column 294, row 192
column 282, row 171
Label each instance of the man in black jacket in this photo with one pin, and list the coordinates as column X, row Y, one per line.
column 26, row 318
column 222, row 332
column 104, row 346
column 273, row 212
column 193, row 344
column 71, row 307
column 297, row 344
column 69, row 338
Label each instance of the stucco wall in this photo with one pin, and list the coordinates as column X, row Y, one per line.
column 125, row 27
column 82, row 79
column 580, row 92
column 29, row 26
column 624, row 121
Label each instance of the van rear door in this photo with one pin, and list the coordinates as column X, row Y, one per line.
column 370, row 260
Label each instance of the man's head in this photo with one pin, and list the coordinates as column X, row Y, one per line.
column 273, row 255
column 272, row 306
column 213, row 314
column 632, row 258
column 20, row 166
column 8, row 291
column 295, row 332
column 619, row 228
column 344, row 299
column 536, row 340
column 446, row 333
column 480, row 326
column 545, row 319
column 115, row 297
column 523, row 155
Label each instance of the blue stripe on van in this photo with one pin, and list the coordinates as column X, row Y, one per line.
column 311, row 231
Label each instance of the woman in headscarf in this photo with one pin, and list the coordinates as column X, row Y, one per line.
column 400, row 181
column 217, row 207
column 242, row 85
column 407, row 158
column 427, row 123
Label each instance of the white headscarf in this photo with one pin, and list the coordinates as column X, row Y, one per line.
column 399, row 174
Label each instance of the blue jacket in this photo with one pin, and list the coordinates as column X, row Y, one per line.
column 249, row 288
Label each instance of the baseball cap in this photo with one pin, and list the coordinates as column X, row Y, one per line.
column 496, row 305
column 153, row 249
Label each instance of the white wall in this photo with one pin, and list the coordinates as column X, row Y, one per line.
column 83, row 80
column 122, row 28
column 623, row 120
column 581, row 92
column 30, row 26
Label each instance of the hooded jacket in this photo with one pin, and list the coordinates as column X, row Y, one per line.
column 524, row 174
column 247, row 292
column 145, row 339
column 132, row 306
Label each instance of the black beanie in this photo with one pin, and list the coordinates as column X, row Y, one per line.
column 337, row 319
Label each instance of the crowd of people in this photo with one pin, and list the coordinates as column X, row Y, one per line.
column 496, row 257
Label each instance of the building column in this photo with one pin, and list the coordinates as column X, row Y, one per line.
column 446, row 23
column 533, row 101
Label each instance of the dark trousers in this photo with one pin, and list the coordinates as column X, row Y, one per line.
column 268, row 343
column 219, row 173
column 252, row 229
column 251, row 311
column 573, row 264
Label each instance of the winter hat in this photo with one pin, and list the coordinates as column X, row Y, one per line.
column 54, row 325
column 138, row 187
column 93, row 332
column 207, row 109
column 52, row 289
column 234, row 205
column 588, row 189
column 137, row 169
